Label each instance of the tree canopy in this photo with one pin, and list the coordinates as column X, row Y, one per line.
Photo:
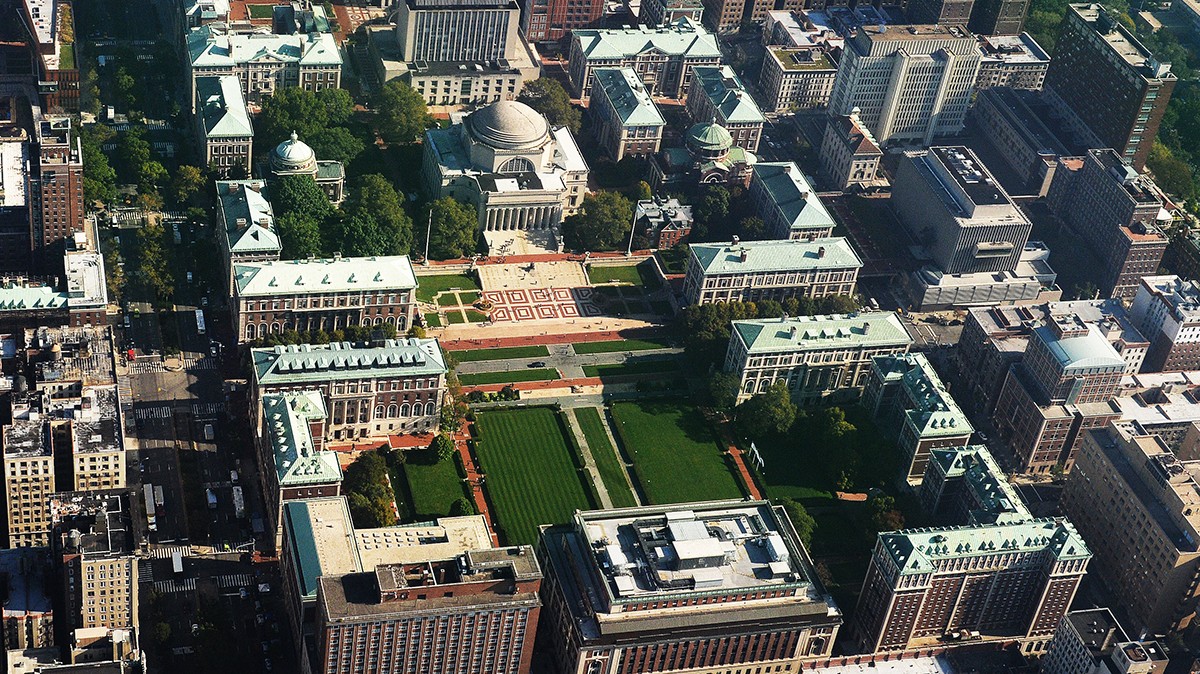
column 368, row 492
column 802, row 522
column 381, row 220
column 300, row 194
column 766, row 413
column 319, row 119
column 602, row 223
column 299, row 236
column 453, row 230
column 548, row 97
column 403, row 116
column 99, row 178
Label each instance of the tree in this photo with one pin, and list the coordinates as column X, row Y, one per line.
column 187, row 181
column 375, row 196
column 338, row 104
column 453, row 230
column 548, row 97
column 461, row 507
column 723, row 386
column 357, row 235
column 402, row 115
column 753, row 229
column 884, row 515
column 162, row 632
column 710, row 211
column 153, row 266
column 802, row 522
column 1171, row 173
column 335, row 144
column 766, row 413
column 299, row 235
column 443, row 447
column 99, row 178
column 300, row 194
column 133, row 151
column 369, row 493
column 114, row 270
column 294, row 109
column 641, row 192
column 602, row 223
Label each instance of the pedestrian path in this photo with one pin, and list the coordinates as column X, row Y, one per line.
column 143, row 413
column 612, row 442
column 146, row 367
column 475, row 479
column 589, row 462
column 165, row 551
column 200, row 363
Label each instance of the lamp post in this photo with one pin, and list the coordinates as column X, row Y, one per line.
column 428, row 229
column 632, row 229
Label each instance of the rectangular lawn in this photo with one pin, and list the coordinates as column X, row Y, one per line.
column 538, row 374
column 532, row 351
column 627, row 369
column 618, row 345
column 434, row 485
column 612, row 471
column 674, row 452
column 429, row 286
column 531, row 477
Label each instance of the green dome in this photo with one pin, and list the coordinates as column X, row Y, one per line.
column 709, row 137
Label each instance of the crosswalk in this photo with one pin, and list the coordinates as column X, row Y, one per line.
column 234, row 580
column 207, row 409
column 165, row 551
column 200, row 363
column 172, row 586
column 146, row 367
column 143, row 413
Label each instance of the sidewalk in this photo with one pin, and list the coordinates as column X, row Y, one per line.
column 736, row 453
column 475, row 479
column 463, row 343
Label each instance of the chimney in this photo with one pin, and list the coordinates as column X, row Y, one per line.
column 866, row 327
column 744, row 254
column 792, row 332
column 735, row 239
column 821, row 252
column 255, row 187
column 235, row 188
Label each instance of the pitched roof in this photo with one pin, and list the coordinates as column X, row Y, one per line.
column 289, row 277
column 221, row 107
column 855, row 135
column 914, row 551
column 794, row 199
column 246, row 200
column 725, row 90
column 783, row 255
column 628, row 96
column 208, row 47
column 683, row 37
column 316, row 364
column 297, row 460
column 804, row 333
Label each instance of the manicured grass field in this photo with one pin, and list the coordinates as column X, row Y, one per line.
column 500, row 354
column 531, row 477
column 618, row 345
column 260, row 11
column 612, row 471
column 434, row 485
column 448, row 300
column 627, row 274
column 430, row 286
column 455, row 317
column 539, row 374
column 675, row 455
column 475, row 316
column 433, row 320
column 644, row 367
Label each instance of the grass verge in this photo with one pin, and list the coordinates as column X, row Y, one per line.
column 429, row 286
column 618, row 345
column 629, row 369
column 612, row 471
column 500, row 354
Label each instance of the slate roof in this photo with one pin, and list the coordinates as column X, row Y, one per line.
column 221, row 107
column 212, row 48
column 727, row 93
column 794, row 199
column 914, row 551
column 297, row 460
column 247, row 200
column 346, row 274
column 315, row 364
column 683, row 37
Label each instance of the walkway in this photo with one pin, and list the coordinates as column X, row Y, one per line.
column 589, row 462
column 736, row 454
column 553, row 338
column 475, row 479
column 626, row 468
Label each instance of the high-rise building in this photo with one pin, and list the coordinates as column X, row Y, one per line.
column 28, row 474
column 904, row 393
column 1016, row 61
column 909, row 83
column 56, row 191
column 939, row 11
column 817, row 357
column 661, row 12
column 769, row 270
column 717, row 94
column 965, row 486
column 1091, row 641
column 97, row 449
column 998, row 17
column 950, row 202
column 664, row 57
column 1116, row 213
column 796, row 78
column 1063, row 386
column 727, row 16
column 1167, row 310
column 552, row 20
column 719, row 586
column 1110, row 88
column 52, row 32
column 26, row 574
column 1138, row 507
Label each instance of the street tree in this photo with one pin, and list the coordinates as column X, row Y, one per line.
column 186, row 183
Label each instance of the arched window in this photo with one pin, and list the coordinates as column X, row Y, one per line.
column 250, row 331
column 404, row 410
column 392, row 411
column 430, row 408
column 391, row 320
column 402, row 323
column 276, row 328
column 379, row 411
column 517, row 165
column 262, row 329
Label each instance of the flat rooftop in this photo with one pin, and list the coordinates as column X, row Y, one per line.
column 1122, row 41
column 917, row 32
column 320, row 537
column 86, row 286
column 970, row 174
column 14, row 158
column 93, row 523
column 25, row 438
column 94, row 429
column 787, row 255
column 1098, row 629
column 27, row 593
column 1017, row 49
column 422, row 542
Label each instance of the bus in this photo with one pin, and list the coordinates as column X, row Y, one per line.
column 199, row 321
column 151, row 520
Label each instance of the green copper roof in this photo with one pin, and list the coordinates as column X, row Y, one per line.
column 31, row 298
column 628, row 96
column 221, row 108
column 246, row 200
column 785, row 335
column 793, row 197
column 683, row 37
column 936, row 413
column 302, row 277
column 709, row 136
column 974, row 464
column 916, row 551
column 306, row 363
column 298, row 462
column 729, row 97
column 771, row 256
column 211, row 48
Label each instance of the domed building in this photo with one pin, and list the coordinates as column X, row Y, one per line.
column 708, row 157
column 506, row 159
column 294, row 157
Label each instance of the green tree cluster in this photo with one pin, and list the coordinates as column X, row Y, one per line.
column 401, row 113
column 453, row 229
column 548, row 97
column 443, row 447
column 368, row 492
column 602, row 223
column 375, row 222
column 350, row 333
column 884, row 514
column 802, row 522
column 154, row 268
column 319, row 119
column 770, row 412
column 99, row 178
column 461, row 507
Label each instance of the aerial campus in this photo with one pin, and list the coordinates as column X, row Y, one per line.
column 585, row 337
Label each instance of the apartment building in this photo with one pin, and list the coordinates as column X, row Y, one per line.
column 81, row 301
column 1016, row 61
column 904, row 393
column 1136, row 504
column 1002, row 581
column 718, row 95
column 264, row 62
column 1116, row 212
column 1063, row 386
column 627, row 123
column 909, row 83
column 392, row 388
column 1091, row 641
column 939, row 11
column 556, row 19
column 1110, row 88
column 998, row 17
column 603, row 614
column 1019, row 125
column 96, row 442
column 818, row 357
column 849, row 154
column 324, row 294
column 769, row 270
column 1167, row 310
column 55, row 185
column 664, row 57
column 796, row 78
column 661, row 12
column 223, row 123
column 28, row 456
column 965, row 486
column 29, row 624
column 787, row 203
column 949, row 201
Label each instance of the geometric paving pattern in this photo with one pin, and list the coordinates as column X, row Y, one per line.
column 531, row 304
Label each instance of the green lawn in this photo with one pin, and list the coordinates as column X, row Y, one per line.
column 675, row 455
column 500, row 354
column 448, row 300
column 455, row 317
column 433, row 320
column 475, row 316
column 612, row 470
column 66, row 57
column 673, row 260
column 627, row 274
column 538, row 374
column 429, row 286
column 531, row 477
column 434, row 485
column 618, row 345
column 469, row 297
column 644, row 367
column 262, row 11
